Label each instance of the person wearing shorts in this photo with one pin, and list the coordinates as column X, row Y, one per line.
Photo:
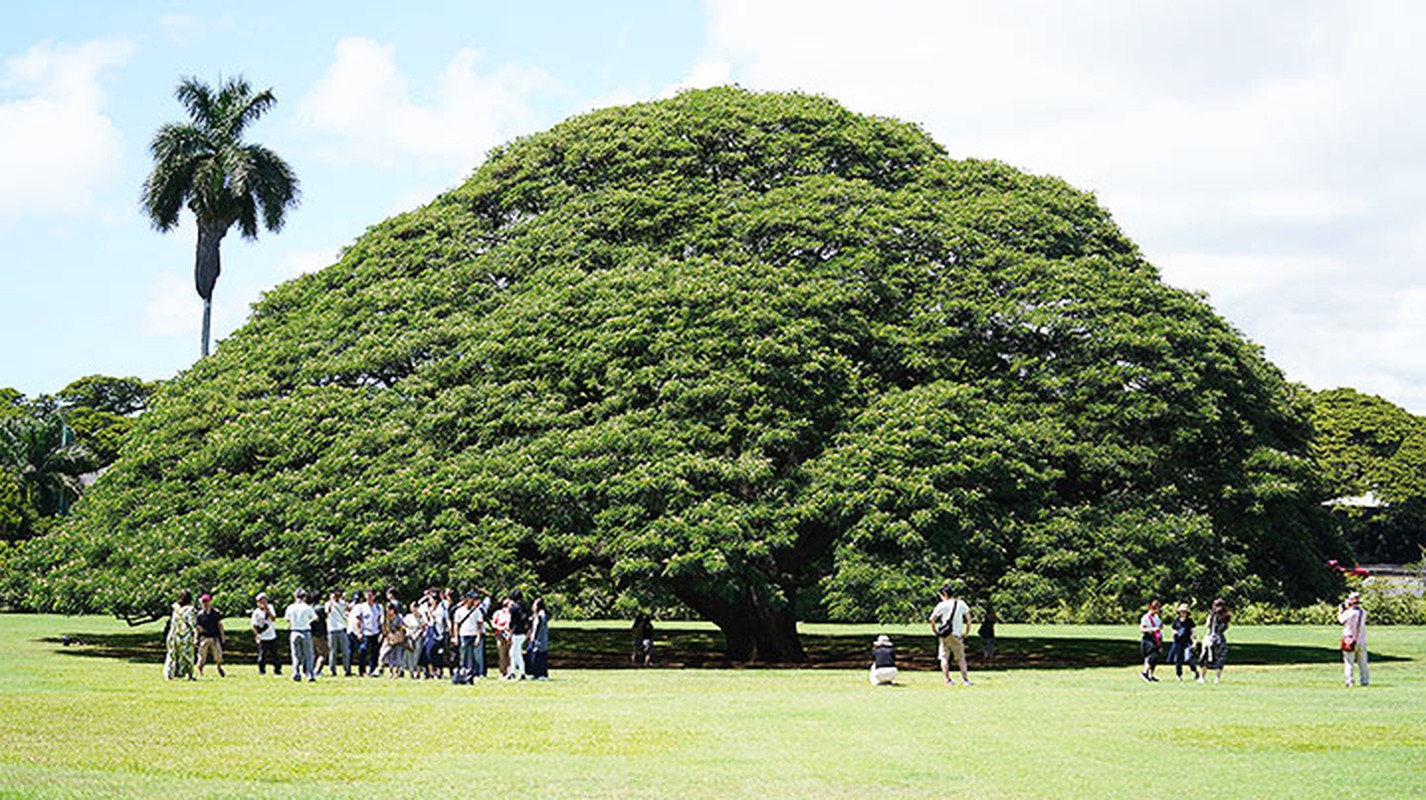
column 211, row 638
column 949, row 622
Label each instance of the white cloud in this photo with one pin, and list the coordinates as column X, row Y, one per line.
column 59, row 145
column 173, row 307
column 364, row 101
column 705, row 74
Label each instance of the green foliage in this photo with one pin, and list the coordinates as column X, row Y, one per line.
column 1367, row 444
column 102, row 409
column 36, row 456
column 751, row 353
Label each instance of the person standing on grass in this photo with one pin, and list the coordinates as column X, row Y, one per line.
column 320, row 653
column 393, row 640
column 469, row 625
column 180, row 640
column 1151, row 630
column 264, row 622
column 643, row 640
column 415, row 625
column 1182, row 647
column 950, row 620
column 883, row 661
column 369, row 618
column 211, row 638
column 354, row 638
column 539, row 641
column 1215, row 641
column 500, row 621
column 441, row 611
column 519, row 632
column 986, row 632
column 1353, row 619
column 299, row 617
column 338, row 644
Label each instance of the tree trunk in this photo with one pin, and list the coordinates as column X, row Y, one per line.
column 207, row 264
column 754, row 628
column 207, row 323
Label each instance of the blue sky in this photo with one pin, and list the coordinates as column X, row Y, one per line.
column 1267, row 154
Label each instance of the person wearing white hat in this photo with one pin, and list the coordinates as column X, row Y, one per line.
column 883, row 661
column 1353, row 619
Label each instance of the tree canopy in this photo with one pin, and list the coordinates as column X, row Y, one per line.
column 762, row 354
column 1368, row 445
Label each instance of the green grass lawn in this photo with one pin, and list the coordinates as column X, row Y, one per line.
column 77, row 724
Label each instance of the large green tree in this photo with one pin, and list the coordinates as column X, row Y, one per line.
column 206, row 165
column 760, row 353
column 1369, row 445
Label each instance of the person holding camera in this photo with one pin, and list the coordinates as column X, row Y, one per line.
column 1353, row 619
column 264, row 622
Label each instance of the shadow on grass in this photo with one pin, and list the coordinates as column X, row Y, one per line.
column 585, row 648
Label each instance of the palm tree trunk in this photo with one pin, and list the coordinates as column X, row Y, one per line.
column 207, row 322
column 207, row 264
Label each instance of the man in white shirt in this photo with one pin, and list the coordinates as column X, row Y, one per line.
column 265, row 631
column 300, row 616
column 949, row 622
column 368, row 614
column 470, row 626
column 337, row 641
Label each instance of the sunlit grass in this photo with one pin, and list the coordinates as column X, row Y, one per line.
column 75, row 726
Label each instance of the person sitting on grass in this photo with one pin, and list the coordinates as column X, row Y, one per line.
column 883, row 661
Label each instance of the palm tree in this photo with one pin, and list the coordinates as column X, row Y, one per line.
column 46, row 462
column 205, row 165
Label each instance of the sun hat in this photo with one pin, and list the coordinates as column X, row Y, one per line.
column 882, row 641
column 262, row 595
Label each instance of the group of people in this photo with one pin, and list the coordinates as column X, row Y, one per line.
column 1208, row 652
column 440, row 632
column 424, row 639
column 951, row 620
column 950, row 623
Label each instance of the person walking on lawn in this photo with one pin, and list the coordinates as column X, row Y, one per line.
column 950, row 620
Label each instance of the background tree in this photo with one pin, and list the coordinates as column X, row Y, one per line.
column 101, row 410
column 754, row 352
column 44, row 460
column 205, row 165
column 1367, row 444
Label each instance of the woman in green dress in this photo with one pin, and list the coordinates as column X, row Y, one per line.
column 181, row 639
